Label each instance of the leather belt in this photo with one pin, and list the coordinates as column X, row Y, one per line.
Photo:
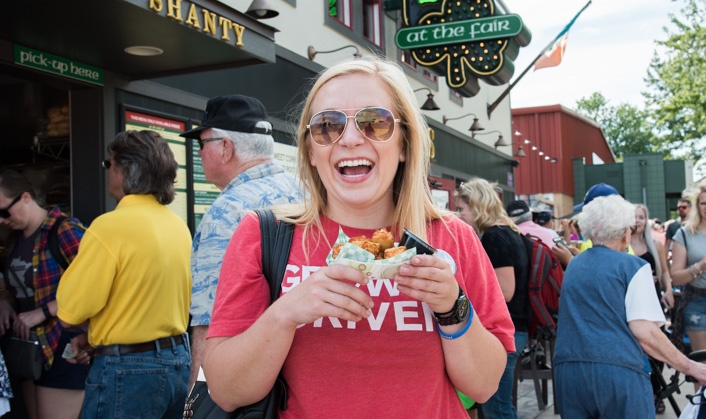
column 133, row 348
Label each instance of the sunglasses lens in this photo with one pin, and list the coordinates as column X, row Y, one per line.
column 377, row 124
column 326, row 127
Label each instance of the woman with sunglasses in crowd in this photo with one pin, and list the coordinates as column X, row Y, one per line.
column 352, row 346
column 31, row 274
column 480, row 206
column 651, row 250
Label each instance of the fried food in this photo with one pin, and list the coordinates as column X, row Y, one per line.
column 383, row 238
column 336, row 250
column 394, row 251
column 380, row 245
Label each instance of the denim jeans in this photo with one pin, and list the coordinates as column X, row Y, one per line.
column 499, row 406
column 149, row 384
column 587, row 390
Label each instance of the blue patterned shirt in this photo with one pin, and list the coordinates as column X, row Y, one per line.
column 258, row 187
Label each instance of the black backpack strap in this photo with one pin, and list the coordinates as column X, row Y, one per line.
column 53, row 243
column 276, row 243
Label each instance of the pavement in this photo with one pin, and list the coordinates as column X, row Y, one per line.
column 527, row 407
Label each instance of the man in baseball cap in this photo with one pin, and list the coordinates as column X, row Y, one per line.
column 236, row 149
column 233, row 113
column 600, row 189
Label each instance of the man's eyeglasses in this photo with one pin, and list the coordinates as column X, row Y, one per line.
column 633, row 229
column 682, row 207
column 106, row 164
column 203, row 141
column 5, row 212
column 376, row 124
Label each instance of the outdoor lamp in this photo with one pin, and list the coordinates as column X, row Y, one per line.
column 429, row 105
column 261, row 9
column 311, row 51
column 474, row 127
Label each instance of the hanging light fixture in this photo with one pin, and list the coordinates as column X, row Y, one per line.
column 475, row 126
column 429, row 105
column 520, row 152
column 261, row 9
column 311, row 51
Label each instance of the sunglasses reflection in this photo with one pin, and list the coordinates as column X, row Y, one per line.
column 376, row 124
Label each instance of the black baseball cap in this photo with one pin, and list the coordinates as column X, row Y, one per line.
column 517, row 208
column 233, row 113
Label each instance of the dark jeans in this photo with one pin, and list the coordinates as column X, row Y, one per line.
column 149, row 384
column 499, row 406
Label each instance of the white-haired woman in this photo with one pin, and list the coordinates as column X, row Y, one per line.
column 608, row 301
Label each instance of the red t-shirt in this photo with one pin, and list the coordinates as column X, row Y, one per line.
column 390, row 364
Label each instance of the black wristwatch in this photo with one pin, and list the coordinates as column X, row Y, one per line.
column 458, row 314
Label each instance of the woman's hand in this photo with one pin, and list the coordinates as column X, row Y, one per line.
column 668, row 298
column 7, row 316
column 331, row 291
column 27, row 320
column 429, row 279
column 564, row 254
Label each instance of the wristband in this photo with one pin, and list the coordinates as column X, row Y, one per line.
column 47, row 313
column 460, row 332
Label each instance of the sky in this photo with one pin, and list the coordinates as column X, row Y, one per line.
column 609, row 49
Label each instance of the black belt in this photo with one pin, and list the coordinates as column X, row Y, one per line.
column 139, row 347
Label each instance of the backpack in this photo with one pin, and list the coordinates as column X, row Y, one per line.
column 545, row 279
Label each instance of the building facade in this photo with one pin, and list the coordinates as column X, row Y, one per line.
column 73, row 75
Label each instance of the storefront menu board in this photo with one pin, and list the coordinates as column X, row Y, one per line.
column 169, row 130
column 205, row 193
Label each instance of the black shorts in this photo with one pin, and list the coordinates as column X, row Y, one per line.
column 62, row 374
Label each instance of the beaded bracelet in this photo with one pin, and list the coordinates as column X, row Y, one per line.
column 460, row 332
column 695, row 272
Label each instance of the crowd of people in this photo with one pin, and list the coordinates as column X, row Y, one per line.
column 141, row 310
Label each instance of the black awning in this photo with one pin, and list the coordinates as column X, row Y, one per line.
column 96, row 33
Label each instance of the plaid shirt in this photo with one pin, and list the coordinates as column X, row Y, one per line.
column 47, row 274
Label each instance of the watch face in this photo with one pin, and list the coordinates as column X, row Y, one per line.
column 463, row 309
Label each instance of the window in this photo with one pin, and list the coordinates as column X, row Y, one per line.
column 372, row 21
column 341, row 11
column 406, row 57
column 360, row 20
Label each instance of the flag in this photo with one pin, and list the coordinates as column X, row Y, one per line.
column 552, row 56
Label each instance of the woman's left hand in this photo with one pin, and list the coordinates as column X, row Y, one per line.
column 429, row 279
column 26, row 321
column 668, row 298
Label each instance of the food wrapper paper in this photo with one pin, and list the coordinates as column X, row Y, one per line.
column 356, row 257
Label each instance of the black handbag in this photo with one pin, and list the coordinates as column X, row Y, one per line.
column 276, row 243
column 23, row 357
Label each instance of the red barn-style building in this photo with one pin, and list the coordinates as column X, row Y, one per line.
column 551, row 138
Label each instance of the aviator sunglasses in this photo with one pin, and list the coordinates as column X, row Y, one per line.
column 376, row 124
column 5, row 212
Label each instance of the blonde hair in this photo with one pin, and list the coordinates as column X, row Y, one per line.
column 414, row 206
column 649, row 241
column 484, row 202
column 694, row 219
